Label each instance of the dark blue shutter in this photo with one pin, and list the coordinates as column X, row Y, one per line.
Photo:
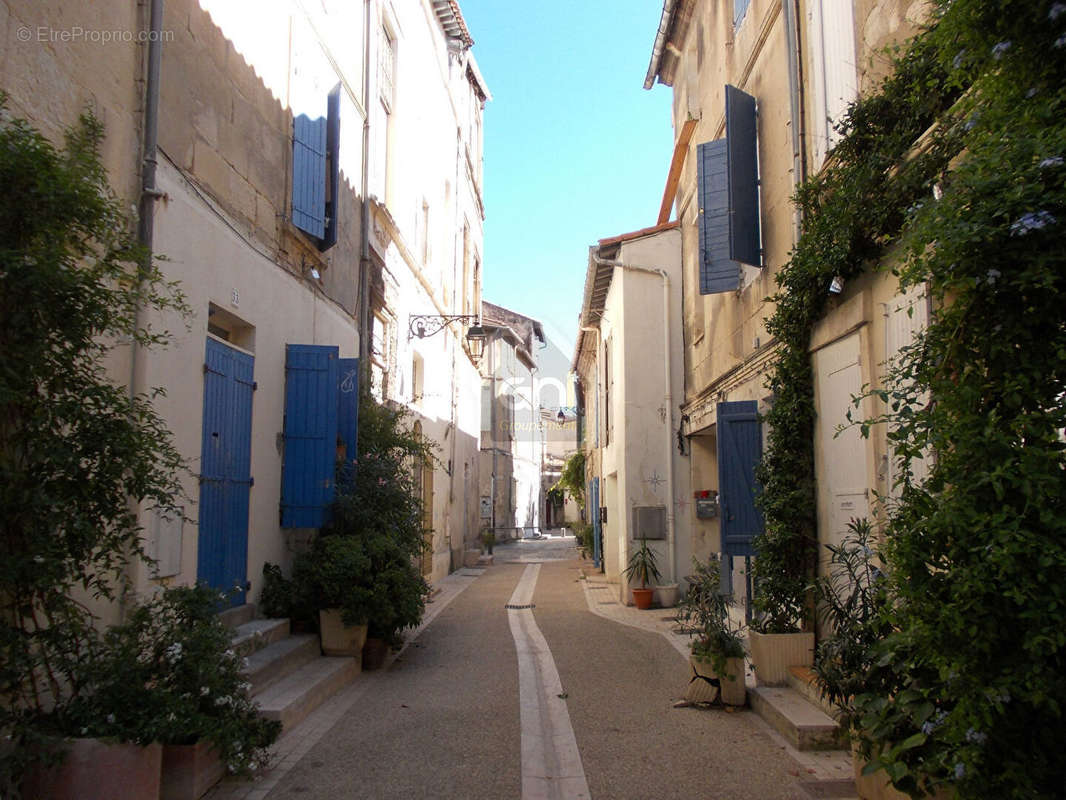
column 739, row 436
column 348, row 411
column 307, row 477
column 309, row 175
column 742, row 145
column 333, row 173
column 718, row 272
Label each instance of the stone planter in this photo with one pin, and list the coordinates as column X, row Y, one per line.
column 730, row 686
column 189, row 771
column 339, row 639
column 667, row 595
column 773, row 653
column 94, row 769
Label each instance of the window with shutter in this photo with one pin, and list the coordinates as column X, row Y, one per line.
column 310, row 433
column 743, row 169
column 316, row 172
column 718, row 272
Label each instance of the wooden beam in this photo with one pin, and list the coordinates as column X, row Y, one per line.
column 676, row 164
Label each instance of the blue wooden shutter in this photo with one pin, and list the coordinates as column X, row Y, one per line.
column 718, row 272
column 307, row 477
column 739, row 436
column 348, row 411
column 333, row 169
column 742, row 147
column 309, row 175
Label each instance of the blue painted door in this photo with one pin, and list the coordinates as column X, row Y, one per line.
column 225, row 469
column 597, row 526
column 739, row 450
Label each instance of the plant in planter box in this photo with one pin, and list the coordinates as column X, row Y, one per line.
column 168, row 675
column 642, row 567
column 77, row 450
column 718, row 649
column 363, row 561
column 852, row 598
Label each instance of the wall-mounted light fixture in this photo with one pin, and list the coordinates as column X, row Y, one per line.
column 836, row 286
column 475, row 339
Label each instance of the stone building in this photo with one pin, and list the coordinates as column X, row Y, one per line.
column 312, row 225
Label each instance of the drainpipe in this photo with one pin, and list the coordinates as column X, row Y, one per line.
column 669, row 394
column 149, row 192
column 364, row 236
column 145, row 226
column 790, row 13
column 599, row 559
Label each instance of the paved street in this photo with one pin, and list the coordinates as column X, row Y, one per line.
column 564, row 700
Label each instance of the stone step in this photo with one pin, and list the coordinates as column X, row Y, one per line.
column 805, row 726
column 267, row 666
column 233, row 618
column 296, row 695
column 804, row 681
column 258, row 633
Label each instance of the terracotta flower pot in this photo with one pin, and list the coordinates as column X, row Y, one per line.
column 642, row 598
column 189, row 771
column 93, row 769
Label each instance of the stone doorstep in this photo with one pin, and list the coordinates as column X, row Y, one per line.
column 803, row 725
column 233, row 618
column 804, row 681
column 269, row 665
column 296, row 695
column 258, row 633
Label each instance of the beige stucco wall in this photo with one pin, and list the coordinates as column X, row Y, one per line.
column 233, row 75
column 727, row 350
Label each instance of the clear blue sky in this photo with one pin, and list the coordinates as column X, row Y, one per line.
column 575, row 149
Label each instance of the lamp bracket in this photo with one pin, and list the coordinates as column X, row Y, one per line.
column 424, row 325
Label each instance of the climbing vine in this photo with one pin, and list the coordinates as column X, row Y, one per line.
column 953, row 176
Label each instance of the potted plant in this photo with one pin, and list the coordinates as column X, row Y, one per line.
column 642, row 567
column 780, row 635
column 718, row 647
column 488, row 540
column 162, row 708
column 335, row 575
column 852, row 601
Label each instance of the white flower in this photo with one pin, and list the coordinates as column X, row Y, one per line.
column 205, row 691
column 110, row 719
column 1053, row 161
column 1031, row 93
column 1031, row 221
column 1061, row 41
column 173, row 653
column 977, row 737
column 994, row 275
column 38, row 559
column 960, row 771
column 1000, row 49
column 957, row 61
column 1056, row 11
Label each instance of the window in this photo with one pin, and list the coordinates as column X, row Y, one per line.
column 380, row 353
column 316, row 172
column 387, row 68
column 739, row 441
column 834, row 74
column 727, row 180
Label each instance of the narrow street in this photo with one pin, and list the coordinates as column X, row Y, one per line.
column 462, row 712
